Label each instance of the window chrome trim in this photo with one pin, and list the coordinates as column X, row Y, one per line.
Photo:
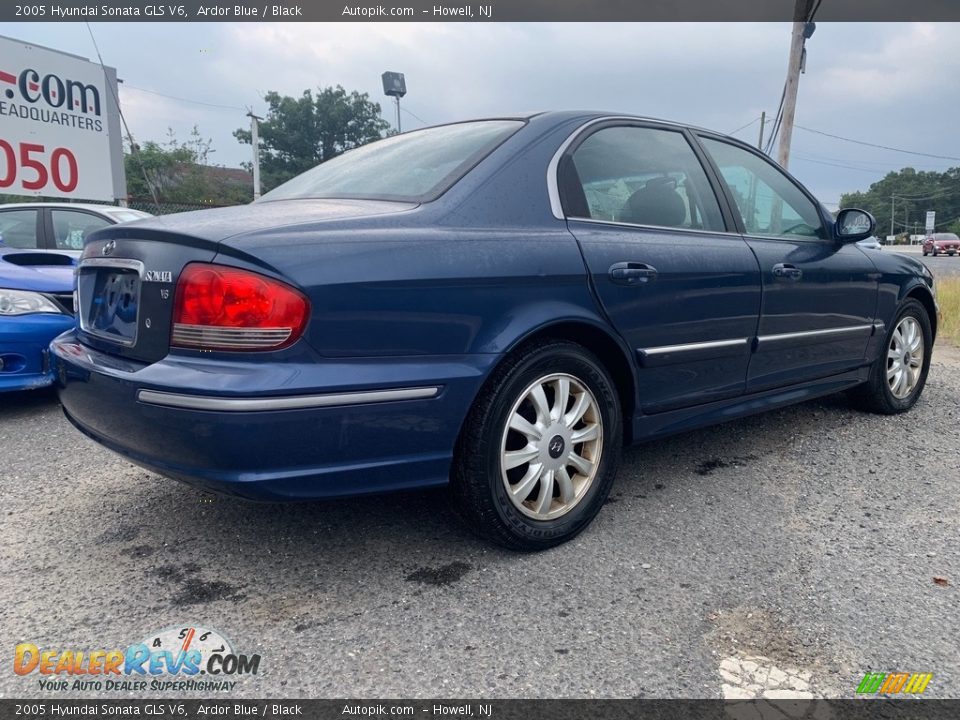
column 689, row 347
column 695, row 231
column 553, row 186
column 815, row 333
column 291, row 402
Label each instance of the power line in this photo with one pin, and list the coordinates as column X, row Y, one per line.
column 875, row 145
column 776, row 122
column 877, row 165
column 414, row 115
column 917, row 223
column 802, row 158
column 937, row 194
column 133, row 146
column 743, row 127
column 182, row 99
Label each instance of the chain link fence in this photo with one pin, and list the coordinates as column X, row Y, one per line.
column 167, row 208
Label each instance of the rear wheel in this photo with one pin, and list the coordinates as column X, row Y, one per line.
column 540, row 448
column 898, row 376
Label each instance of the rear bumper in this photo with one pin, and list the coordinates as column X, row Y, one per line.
column 24, row 363
column 274, row 431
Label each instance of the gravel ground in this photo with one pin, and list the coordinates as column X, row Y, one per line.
column 809, row 536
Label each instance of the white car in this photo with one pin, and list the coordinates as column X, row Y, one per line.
column 870, row 243
column 57, row 225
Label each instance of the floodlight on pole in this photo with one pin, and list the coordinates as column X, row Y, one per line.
column 395, row 86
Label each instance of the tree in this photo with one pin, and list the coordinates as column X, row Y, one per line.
column 180, row 172
column 299, row 133
column 915, row 193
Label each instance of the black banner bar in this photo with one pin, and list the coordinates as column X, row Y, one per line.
column 477, row 709
column 484, row 11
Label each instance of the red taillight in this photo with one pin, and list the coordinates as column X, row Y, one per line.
column 224, row 308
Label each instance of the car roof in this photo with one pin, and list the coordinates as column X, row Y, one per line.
column 69, row 206
column 584, row 115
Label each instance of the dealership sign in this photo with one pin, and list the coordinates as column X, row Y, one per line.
column 59, row 125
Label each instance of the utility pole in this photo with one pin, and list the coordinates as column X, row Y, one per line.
column 802, row 29
column 892, row 197
column 763, row 122
column 255, row 141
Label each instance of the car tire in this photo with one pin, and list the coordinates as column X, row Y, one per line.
column 881, row 393
column 495, row 482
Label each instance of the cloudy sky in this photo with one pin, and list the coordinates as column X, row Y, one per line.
column 888, row 84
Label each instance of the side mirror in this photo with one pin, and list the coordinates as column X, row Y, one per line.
column 853, row 225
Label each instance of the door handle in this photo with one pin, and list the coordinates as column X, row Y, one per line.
column 632, row 273
column 787, row 271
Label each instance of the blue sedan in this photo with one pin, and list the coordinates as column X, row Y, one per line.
column 498, row 305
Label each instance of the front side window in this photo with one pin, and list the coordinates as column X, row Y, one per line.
column 641, row 176
column 413, row 167
column 18, row 228
column 769, row 202
column 71, row 227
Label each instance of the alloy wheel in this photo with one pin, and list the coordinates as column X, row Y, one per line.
column 905, row 357
column 551, row 445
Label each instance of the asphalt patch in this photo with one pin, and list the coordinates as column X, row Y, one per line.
column 194, row 591
column 708, row 466
column 443, row 575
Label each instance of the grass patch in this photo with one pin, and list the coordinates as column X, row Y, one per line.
column 948, row 296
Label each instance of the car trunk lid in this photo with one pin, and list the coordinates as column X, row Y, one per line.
column 127, row 276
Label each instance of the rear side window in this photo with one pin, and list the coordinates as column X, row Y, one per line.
column 640, row 176
column 71, row 227
column 414, row 167
column 18, row 228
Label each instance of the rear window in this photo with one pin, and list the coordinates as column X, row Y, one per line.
column 414, row 167
column 122, row 216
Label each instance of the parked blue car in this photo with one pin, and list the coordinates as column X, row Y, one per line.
column 36, row 305
column 498, row 304
column 39, row 247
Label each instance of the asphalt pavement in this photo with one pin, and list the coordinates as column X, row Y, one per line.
column 815, row 541
column 941, row 266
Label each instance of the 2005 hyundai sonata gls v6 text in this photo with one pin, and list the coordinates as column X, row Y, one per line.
column 498, row 304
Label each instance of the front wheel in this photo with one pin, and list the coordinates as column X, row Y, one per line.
column 540, row 448
column 898, row 376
